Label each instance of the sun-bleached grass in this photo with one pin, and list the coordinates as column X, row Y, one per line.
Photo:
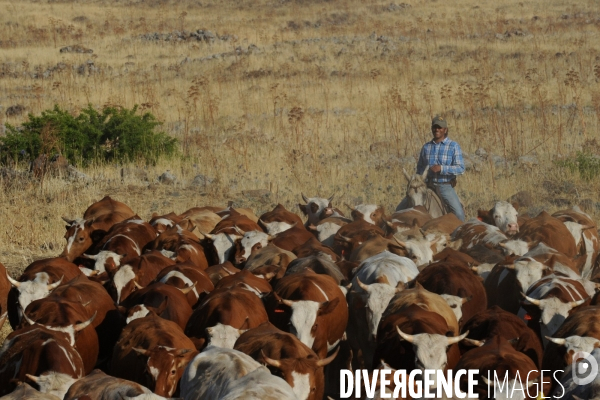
column 316, row 97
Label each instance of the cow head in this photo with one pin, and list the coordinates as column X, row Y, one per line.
column 166, row 365
column 528, row 271
column 106, row 261
column 419, row 250
column 223, row 244
column 430, row 348
column 316, row 209
column 304, row 375
column 80, row 236
column 371, row 213
column 575, row 344
column 503, row 215
column 554, row 312
column 305, row 321
column 455, row 303
column 275, row 227
column 224, row 336
column 376, row 297
column 515, row 247
column 250, row 243
column 54, row 383
column 33, row 290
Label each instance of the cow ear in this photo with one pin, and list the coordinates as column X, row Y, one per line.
column 418, row 286
column 483, row 215
column 415, row 223
column 246, row 324
column 328, row 306
column 516, row 205
column 302, row 208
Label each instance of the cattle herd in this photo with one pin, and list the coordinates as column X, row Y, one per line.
column 218, row 303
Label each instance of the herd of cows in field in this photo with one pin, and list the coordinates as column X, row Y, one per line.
column 218, row 303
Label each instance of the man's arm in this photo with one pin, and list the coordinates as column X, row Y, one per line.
column 458, row 163
column 423, row 162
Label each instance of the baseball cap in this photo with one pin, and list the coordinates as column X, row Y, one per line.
column 439, row 121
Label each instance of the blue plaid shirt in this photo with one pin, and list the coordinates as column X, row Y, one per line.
column 448, row 154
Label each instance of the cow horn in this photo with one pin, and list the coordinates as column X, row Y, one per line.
column 405, row 336
column 485, row 380
column 270, row 361
column 90, row 256
column 186, row 290
column 586, row 227
column 12, row 281
column 304, row 197
column 390, row 224
column 531, row 300
column 502, row 245
column 207, row 235
column 328, row 360
column 465, row 299
column 288, row 303
column 137, row 285
column 67, row 220
column 270, row 237
column 55, row 284
column 474, row 268
column 143, row 352
column 349, row 206
column 345, row 239
column 85, row 324
column 510, row 266
column 533, row 381
column 559, row 341
column 474, row 342
column 29, row 320
column 238, row 230
column 228, row 271
column 457, row 339
column 577, row 303
column 362, row 285
column 406, row 174
column 399, row 242
column 331, row 198
column 33, row 378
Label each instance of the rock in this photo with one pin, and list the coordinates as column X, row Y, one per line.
column 167, row 178
column 528, row 161
column 75, row 49
column 74, row 174
column 202, row 180
column 481, row 152
column 522, row 199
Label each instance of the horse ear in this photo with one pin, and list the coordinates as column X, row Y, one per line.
column 424, row 175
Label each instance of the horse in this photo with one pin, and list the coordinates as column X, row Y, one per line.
column 418, row 194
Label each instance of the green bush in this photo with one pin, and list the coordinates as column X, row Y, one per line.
column 114, row 134
column 587, row 164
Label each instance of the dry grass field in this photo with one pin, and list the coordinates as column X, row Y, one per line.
column 271, row 98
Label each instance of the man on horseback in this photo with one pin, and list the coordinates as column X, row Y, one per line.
column 443, row 159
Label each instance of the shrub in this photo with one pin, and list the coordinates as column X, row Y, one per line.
column 114, row 134
column 586, row 163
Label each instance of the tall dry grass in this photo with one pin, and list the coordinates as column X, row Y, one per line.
column 319, row 97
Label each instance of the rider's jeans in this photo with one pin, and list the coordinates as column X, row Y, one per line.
column 450, row 197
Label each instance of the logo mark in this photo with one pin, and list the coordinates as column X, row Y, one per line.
column 585, row 368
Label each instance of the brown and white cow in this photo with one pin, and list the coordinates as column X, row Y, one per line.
column 317, row 209
column 221, row 240
column 503, row 215
column 219, row 271
column 585, row 233
column 58, row 314
column 180, row 245
column 97, row 220
column 99, row 386
column 456, row 283
column 314, row 309
column 204, row 219
column 236, row 307
column 270, row 255
column 187, row 275
column 37, row 281
column 313, row 247
column 403, row 219
column 278, row 220
column 171, row 302
column 24, row 391
column 36, row 350
column 547, row 229
column 371, row 213
column 292, row 238
column 248, row 281
column 153, row 352
column 286, row 357
column 319, row 264
column 327, row 228
column 550, row 300
column 352, row 235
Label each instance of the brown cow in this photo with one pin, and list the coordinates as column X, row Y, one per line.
column 402, row 220
column 4, row 290
column 36, row 350
column 204, row 218
column 503, row 215
column 97, row 220
column 371, row 213
column 153, row 352
column 313, row 247
column 286, row 357
column 187, row 275
column 278, row 220
column 270, row 255
column 182, row 244
column 585, row 233
column 99, row 386
column 236, row 307
column 59, row 314
column 456, row 283
column 169, row 300
column 549, row 230
column 219, row 271
column 352, row 235
column 292, row 238
column 446, row 224
column 246, row 280
column 24, row 391
column 37, row 281
column 314, row 309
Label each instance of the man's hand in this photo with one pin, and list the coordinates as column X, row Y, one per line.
column 436, row 168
